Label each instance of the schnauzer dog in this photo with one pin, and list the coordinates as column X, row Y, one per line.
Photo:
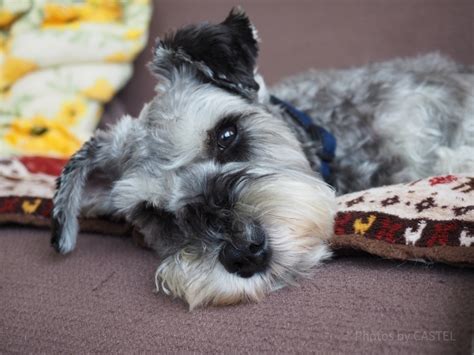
column 234, row 187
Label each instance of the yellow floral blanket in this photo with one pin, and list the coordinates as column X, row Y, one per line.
column 60, row 61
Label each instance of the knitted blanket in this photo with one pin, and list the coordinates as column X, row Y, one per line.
column 425, row 220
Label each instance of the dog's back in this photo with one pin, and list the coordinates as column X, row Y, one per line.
column 394, row 121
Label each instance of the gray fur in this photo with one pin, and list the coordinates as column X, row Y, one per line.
column 195, row 201
column 352, row 104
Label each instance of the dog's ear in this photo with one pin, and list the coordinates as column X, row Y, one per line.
column 224, row 54
column 102, row 156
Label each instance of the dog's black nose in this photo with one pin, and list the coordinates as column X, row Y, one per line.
column 247, row 260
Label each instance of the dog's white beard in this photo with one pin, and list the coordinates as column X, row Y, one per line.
column 297, row 213
column 203, row 282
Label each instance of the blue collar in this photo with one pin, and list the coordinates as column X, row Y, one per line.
column 328, row 141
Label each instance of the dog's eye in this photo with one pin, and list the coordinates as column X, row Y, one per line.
column 226, row 135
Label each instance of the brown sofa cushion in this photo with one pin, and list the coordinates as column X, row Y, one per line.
column 100, row 299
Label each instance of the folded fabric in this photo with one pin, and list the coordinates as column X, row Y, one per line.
column 60, row 61
column 428, row 220
column 27, row 186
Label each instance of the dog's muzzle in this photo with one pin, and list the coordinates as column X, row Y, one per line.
column 248, row 259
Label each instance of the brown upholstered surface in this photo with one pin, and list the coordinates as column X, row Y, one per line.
column 100, row 299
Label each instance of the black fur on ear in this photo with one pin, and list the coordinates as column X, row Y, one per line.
column 224, row 54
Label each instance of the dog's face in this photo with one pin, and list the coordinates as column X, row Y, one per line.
column 217, row 184
column 244, row 213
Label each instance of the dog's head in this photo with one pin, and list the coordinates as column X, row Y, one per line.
column 211, row 175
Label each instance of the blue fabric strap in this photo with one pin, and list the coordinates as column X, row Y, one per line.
column 328, row 141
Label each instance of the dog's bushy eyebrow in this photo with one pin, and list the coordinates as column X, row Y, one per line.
column 232, row 118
